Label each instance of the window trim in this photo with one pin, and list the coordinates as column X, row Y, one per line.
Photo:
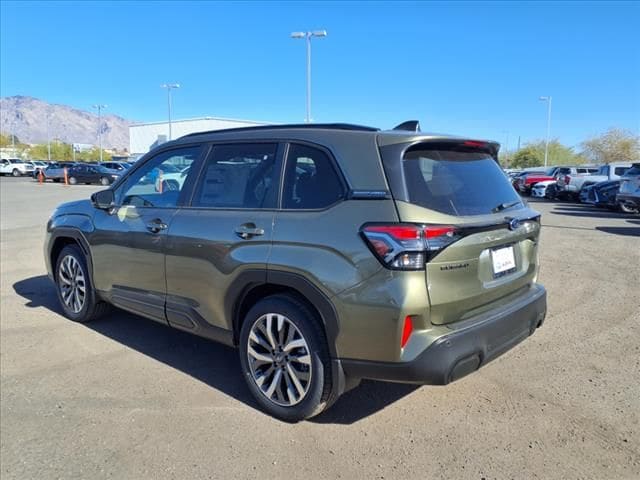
column 121, row 185
column 334, row 165
column 202, row 172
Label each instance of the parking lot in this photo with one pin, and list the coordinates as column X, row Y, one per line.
column 127, row 398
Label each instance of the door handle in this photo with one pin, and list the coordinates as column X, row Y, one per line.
column 248, row 230
column 156, row 226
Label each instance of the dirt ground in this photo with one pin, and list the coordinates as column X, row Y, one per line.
column 127, row 398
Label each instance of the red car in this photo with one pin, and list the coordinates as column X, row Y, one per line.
column 527, row 180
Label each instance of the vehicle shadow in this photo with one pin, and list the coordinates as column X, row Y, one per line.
column 211, row 363
column 627, row 231
column 589, row 211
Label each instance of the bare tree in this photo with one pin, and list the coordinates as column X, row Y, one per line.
column 615, row 145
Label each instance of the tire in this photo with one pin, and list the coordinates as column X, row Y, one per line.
column 15, row 172
column 69, row 263
column 310, row 395
column 104, row 181
column 626, row 208
column 73, row 181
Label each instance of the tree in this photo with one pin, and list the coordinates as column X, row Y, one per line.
column 526, row 157
column 615, row 145
column 532, row 155
column 9, row 140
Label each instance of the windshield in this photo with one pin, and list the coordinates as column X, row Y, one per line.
column 457, row 183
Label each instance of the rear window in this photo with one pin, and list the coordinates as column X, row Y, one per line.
column 457, row 182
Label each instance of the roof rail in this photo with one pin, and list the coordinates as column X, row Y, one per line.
column 305, row 126
column 409, row 125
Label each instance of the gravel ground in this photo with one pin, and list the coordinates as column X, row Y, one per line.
column 127, row 398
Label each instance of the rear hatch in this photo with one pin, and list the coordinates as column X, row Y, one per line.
column 481, row 238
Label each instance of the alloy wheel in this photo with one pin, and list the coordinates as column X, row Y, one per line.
column 72, row 284
column 279, row 359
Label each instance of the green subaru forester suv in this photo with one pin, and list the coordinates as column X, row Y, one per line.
column 326, row 253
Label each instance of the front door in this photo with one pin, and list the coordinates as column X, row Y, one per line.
column 128, row 244
column 225, row 233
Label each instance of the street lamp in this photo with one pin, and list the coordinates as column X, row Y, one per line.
column 48, row 137
column 546, row 145
column 169, row 87
column 99, row 108
column 308, row 35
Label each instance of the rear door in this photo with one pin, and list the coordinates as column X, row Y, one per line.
column 224, row 232
column 491, row 254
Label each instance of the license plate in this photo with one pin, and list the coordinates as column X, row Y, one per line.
column 503, row 260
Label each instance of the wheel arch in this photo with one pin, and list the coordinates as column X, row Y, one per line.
column 60, row 238
column 253, row 285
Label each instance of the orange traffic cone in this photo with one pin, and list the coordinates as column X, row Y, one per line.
column 66, row 177
column 40, row 177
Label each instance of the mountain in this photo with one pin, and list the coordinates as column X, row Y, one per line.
column 25, row 117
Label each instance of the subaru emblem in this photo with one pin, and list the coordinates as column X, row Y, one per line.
column 514, row 223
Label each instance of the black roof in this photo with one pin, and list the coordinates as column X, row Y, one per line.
column 305, row 126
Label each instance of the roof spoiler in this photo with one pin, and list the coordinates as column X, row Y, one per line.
column 409, row 126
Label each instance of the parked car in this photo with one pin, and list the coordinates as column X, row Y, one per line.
column 38, row 166
column 515, row 180
column 571, row 184
column 628, row 196
column 88, row 174
column 326, row 253
column 55, row 171
column 15, row 167
column 118, row 166
column 602, row 194
column 539, row 190
column 528, row 180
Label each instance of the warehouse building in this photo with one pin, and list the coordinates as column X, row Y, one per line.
column 146, row 136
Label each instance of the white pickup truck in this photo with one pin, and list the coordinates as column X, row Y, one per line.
column 572, row 184
column 15, row 167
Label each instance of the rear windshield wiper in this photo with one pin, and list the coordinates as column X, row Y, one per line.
column 504, row 206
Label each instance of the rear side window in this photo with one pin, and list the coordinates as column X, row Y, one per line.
column 456, row 182
column 239, row 176
column 633, row 171
column 311, row 181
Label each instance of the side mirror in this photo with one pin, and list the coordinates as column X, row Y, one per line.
column 103, row 200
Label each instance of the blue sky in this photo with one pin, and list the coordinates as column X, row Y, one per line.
column 474, row 69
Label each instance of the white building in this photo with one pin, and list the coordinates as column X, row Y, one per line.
column 146, row 136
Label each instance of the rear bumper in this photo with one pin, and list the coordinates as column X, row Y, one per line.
column 471, row 344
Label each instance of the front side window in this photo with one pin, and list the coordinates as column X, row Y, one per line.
column 311, row 181
column 621, row 170
column 159, row 182
column 239, row 176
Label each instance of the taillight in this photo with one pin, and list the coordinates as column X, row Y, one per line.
column 567, row 179
column 407, row 246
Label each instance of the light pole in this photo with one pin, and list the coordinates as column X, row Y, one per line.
column 48, row 138
column 546, row 145
column 99, row 108
column 169, row 87
column 307, row 36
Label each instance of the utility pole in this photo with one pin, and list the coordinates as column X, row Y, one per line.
column 546, row 145
column 99, row 108
column 48, row 138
